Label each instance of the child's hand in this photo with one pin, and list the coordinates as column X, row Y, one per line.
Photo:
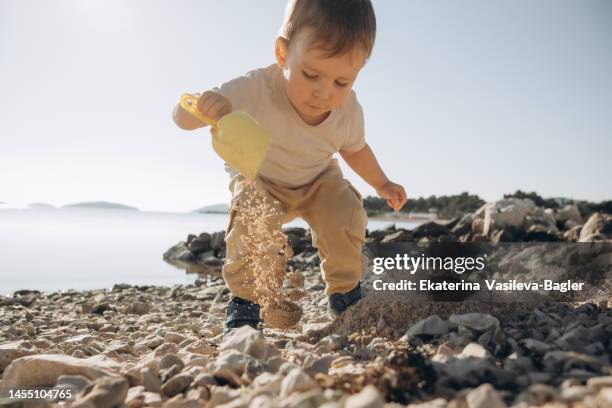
column 394, row 194
column 214, row 105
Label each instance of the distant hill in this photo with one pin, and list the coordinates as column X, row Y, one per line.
column 100, row 204
column 213, row 209
column 40, row 205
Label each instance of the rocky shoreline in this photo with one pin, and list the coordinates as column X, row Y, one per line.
column 136, row 346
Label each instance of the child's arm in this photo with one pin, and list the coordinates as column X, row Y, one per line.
column 211, row 104
column 364, row 163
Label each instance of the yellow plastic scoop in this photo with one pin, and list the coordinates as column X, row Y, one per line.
column 239, row 139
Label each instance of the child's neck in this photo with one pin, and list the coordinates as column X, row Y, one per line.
column 313, row 121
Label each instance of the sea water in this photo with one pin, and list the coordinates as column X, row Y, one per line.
column 91, row 248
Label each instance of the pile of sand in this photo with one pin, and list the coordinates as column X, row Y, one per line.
column 390, row 315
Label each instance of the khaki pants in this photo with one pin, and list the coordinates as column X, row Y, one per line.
column 333, row 209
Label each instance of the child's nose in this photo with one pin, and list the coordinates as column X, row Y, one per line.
column 322, row 92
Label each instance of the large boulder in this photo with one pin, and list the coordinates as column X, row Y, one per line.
column 199, row 244
column 44, row 369
column 569, row 213
column 430, row 229
column 598, row 227
column 509, row 212
column 542, row 220
column 179, row 252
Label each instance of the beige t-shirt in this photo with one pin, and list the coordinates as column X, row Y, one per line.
column 298, row 152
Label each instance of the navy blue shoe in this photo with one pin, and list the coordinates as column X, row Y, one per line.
column 338, row 302
column 241, row 312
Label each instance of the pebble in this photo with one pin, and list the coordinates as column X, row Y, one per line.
column 484, row 396
column 369, row 397
column 232, row 360
column 150, row 380
column 433, row 325
column 176, row 384
column 297, row 381
column 246, row 340
column 480, row 322
column 474, row 350
column 107, row 392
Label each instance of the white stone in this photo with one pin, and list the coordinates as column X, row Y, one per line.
column 108, row 392
column 604, row 398
column 246, row 340
column 591, row 227
column 135, row 393
column 268, row 382
column 437, row 403
column 151, row 399
column 232, row 360
column 308, row 399
column 575, row 393
column 596, row 383
column 262, row 401
column 222, row 395
column 332, row 342
column 199, row 347
column 369, row 397
column 178, row 401
column 484, row 396
column 297, row 380
column 474, row 350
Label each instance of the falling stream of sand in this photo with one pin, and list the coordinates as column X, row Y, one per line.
column 266, row 253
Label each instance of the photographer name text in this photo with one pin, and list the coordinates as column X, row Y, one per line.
column 511, row 285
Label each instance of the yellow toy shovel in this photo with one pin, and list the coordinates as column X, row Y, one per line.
column 239, row 139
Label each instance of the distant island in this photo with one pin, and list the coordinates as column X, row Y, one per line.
column 101, row 204
column 40, row 205
column 213, row 209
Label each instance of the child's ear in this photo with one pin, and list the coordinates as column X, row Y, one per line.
column 281, row 48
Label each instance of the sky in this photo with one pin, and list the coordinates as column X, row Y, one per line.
column 481, row 96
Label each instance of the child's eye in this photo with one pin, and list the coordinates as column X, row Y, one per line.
column 342, row 84
column 308, row 76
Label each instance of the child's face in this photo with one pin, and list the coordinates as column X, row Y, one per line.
column 316, row 83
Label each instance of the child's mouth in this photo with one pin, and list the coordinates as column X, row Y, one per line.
column 315, row 107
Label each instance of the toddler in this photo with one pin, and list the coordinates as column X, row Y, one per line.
column 306, row 102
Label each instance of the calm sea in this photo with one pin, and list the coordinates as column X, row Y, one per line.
column 52, row 249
